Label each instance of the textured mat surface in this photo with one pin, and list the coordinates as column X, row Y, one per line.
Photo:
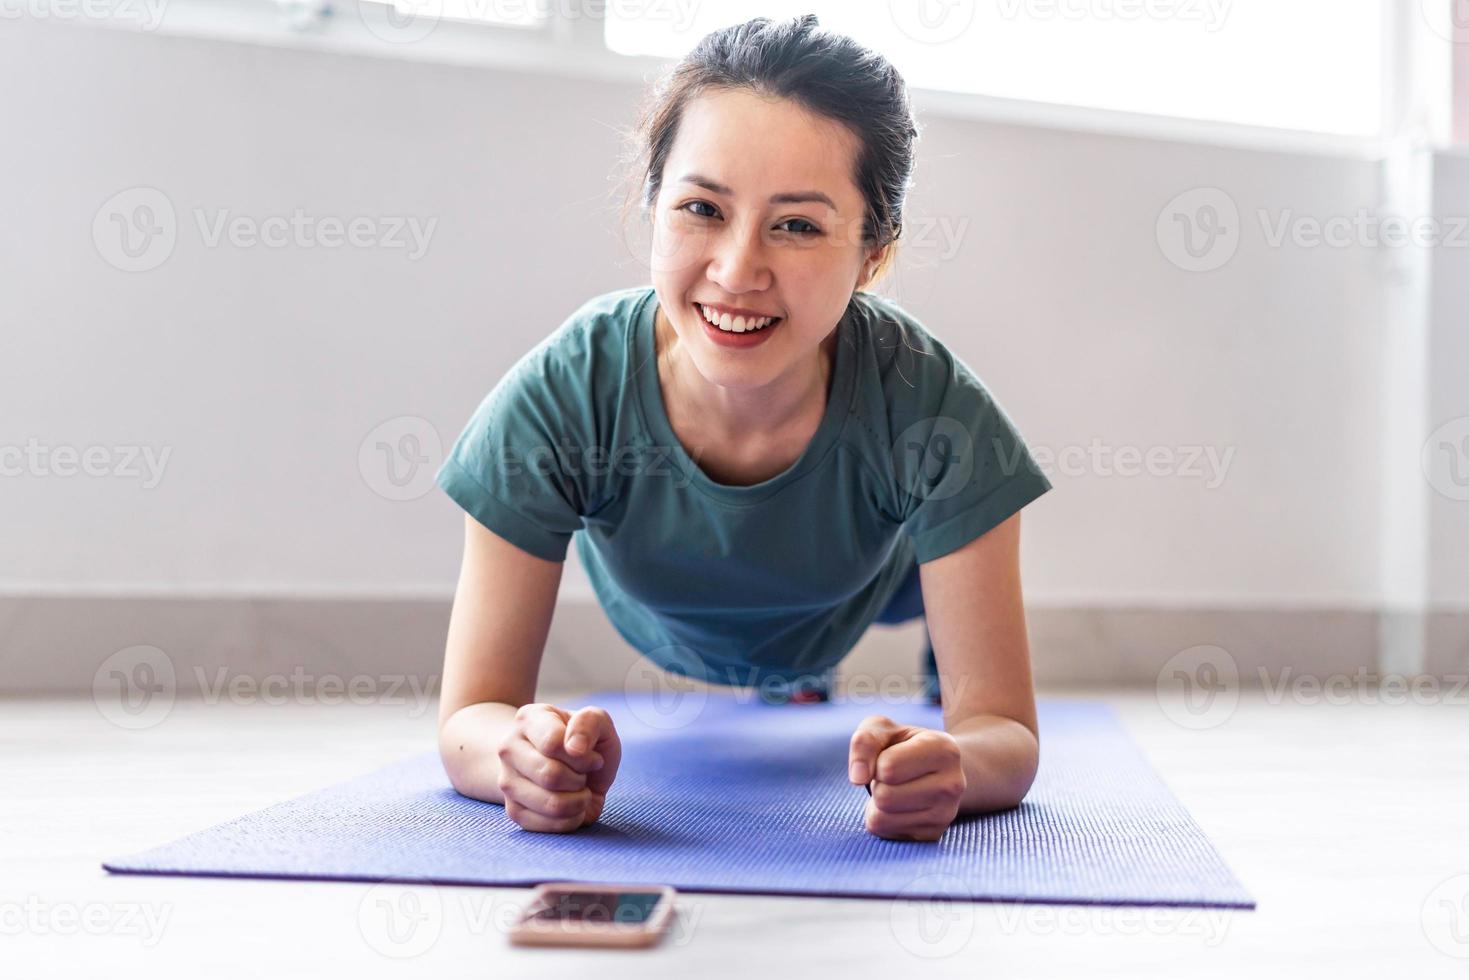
column 722, row 793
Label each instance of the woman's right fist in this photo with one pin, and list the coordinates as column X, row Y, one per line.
column 556, row 766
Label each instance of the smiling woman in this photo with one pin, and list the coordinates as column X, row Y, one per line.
column 804, row 451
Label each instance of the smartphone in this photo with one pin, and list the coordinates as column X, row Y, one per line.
column 570, row 913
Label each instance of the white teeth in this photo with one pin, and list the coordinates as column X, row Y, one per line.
column 736, row 324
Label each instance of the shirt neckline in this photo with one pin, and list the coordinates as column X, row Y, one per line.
column 655, row 416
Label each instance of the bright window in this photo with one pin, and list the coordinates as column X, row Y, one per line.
column 1314, row 65
column 507, row 13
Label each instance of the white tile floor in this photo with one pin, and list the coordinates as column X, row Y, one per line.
column 1348, row 823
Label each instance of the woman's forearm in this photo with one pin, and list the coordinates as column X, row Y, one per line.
column 1000, row 756
column 469, row 744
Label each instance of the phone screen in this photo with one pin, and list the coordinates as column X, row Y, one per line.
column 594, row 906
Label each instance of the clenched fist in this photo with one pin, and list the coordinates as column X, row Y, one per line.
column 556, row 766
column 917, row 778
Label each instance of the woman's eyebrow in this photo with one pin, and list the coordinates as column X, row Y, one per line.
column 790, row 197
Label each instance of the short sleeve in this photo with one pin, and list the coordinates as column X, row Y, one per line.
column 960, row 463
column 512, row 468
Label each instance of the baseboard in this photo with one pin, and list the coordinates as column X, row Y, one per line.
column 66, row 645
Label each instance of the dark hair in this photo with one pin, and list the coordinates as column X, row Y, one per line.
column 827, row 73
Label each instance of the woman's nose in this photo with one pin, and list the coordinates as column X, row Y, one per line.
column 740, row 264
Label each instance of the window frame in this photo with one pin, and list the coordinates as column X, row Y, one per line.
column 571, row 43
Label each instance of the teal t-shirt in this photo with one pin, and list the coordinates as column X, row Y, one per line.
column 740, row 585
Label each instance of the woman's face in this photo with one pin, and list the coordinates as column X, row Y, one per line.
column 757, row 211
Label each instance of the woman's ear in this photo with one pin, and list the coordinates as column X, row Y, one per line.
column 876, row 259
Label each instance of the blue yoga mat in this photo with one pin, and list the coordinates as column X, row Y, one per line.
column 721, row 792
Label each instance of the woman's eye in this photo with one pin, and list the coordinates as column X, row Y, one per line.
column 807, row 228
column 802, row 226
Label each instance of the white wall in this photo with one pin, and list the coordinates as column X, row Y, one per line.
column 263, row 370
column 1448, row 394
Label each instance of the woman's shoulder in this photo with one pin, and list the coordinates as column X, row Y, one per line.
column 598, row 327
column 585, row 355
column 910, row 361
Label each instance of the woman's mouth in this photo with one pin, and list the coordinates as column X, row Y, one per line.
column 731, row 331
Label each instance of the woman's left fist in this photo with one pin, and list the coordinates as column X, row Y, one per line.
column 919, row 778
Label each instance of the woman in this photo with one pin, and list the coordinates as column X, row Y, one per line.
column 762, row 457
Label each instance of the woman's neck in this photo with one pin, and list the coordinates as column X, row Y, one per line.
column 736, row 415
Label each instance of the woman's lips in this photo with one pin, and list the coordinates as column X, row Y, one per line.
column 728, row 338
